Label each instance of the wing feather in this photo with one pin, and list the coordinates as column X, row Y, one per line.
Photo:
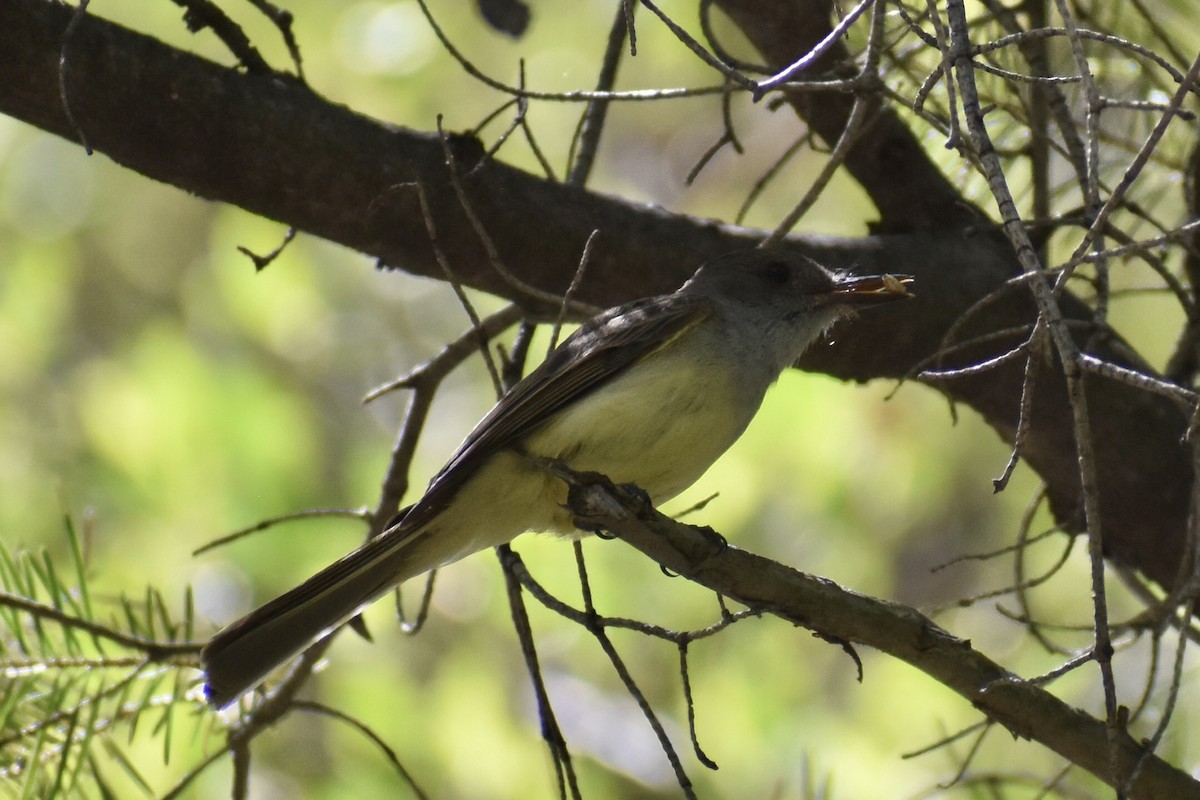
column 605, row 346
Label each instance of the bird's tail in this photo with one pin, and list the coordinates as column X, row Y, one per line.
column 243, row 653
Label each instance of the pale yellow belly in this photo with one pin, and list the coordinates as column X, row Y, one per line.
column 659, row 428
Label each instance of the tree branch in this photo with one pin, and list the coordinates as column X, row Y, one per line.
column 1024, row 708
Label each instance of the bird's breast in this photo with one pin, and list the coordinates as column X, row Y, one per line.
column 660, row 424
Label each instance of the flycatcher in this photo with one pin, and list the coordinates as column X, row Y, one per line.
column 649, row 393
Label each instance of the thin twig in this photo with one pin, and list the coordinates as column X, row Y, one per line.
column 262, row 262
column 1067, row 350
column 772, row 172
column 690, row 702
column 591, row 124
column 1077, row 33
column 863, row 104
column 201, row 14
column 551, row 732
column 727, row 71
column 788, row 73
column 459, row 292
column 424, row 382
column 1028, row 381
column 600, row 634
column 1134, row 169
column 1185, row 398
column 451, row 355
column 372, row 736
column 978, row 367
column 154, row 650
column 63, row 65
column 311, row 513
column 489, row 245
column 943, row 44
column 644, row 95
column 282, row 19
column 569, row 294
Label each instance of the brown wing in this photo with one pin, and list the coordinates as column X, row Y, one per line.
column 606, row 345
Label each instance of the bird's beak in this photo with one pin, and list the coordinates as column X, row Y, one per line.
column 868, row 290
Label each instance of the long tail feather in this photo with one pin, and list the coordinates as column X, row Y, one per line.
column 242, row 654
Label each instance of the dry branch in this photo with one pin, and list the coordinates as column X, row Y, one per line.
column 1024, row 708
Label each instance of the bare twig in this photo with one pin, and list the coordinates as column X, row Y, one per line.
column 600, row 634
column 1027, row 387
column 373, row 737
column 568, row 97
column 263, row 261
column 1068, row 353
column 310, row 513
column 591, row 124
column 63, row 66
column 569, row 294
column 551, row 733
column 818, row 604
column 790, row 72
column 1134, row 169
column 728, row 72
column 486, row 240
column 201, row 14
column 154, row 650
column 459, row 292
column 282, row 19
column 863, row 105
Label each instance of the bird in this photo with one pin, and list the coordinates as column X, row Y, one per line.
column 648, row 393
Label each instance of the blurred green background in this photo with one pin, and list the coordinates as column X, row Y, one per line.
column 157, row 389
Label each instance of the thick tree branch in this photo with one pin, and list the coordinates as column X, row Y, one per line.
column 271, row 146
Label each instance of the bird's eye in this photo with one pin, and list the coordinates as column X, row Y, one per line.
column 776, row 272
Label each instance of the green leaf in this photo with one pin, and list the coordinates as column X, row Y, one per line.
column 81, row 582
